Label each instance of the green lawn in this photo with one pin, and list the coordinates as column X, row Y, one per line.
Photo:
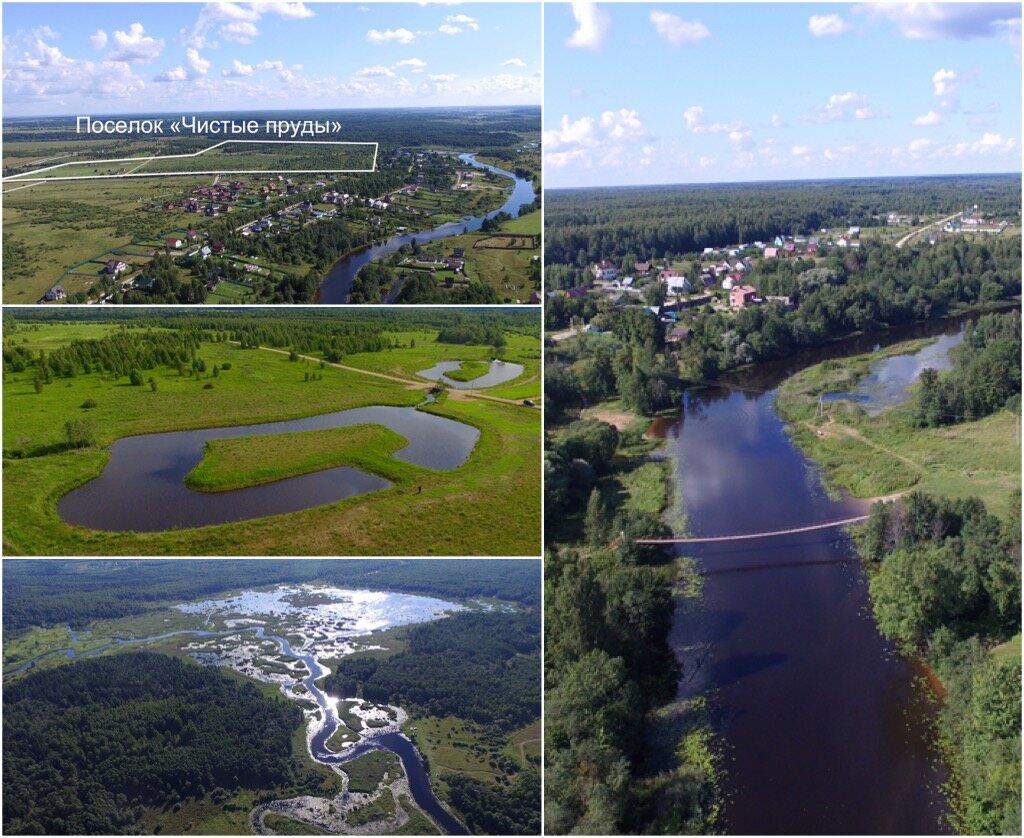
column 368, row 771
column 488, row 506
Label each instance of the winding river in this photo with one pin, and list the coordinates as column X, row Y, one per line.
column 412, row 762
column 142, row 489
column 498, row 373
column 337, row 283
column 825, row 727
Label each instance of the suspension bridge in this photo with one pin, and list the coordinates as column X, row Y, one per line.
column 711, row 539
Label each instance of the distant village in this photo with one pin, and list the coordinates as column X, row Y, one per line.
column 719, row 276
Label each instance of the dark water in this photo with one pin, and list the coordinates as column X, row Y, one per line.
column 499, row 373
column 142, row 486
column 337, row 284
column 825, row 729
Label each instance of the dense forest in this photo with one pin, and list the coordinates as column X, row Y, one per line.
column 88, row 746
column 61, row 592
column 586, row 225
column 945, row 580
column 376, row 283
column 479, row 666
column 492, row 811
column 985, row 374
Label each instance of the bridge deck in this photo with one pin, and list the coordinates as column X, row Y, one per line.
column 752, row 535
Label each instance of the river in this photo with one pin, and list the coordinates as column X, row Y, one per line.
column 825, row 728
column 497, row 373
column 337, row 283
column 142, row 489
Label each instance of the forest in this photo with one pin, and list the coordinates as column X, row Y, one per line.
column 985, row 375
column 375, row 282
column 945, row 584
column 479, row 666
column 62, row 592
column 87, row 748
column 587, row 225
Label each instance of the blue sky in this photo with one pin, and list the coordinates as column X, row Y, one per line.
column 110, row 58
column 647, row 93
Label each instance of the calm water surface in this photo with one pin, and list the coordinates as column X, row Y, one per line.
column 142, row 486
column 499, row 373
column 337, row 284
column 825, row 729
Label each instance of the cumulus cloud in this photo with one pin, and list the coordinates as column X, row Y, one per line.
column 236, row 22
column 581, row 132
column 514, row 62
column 401, row 36
column 843, row 107
column 822, row 25
column 377, row 71
column 135, row 46
column 174, row 74
column 695, row 120
column 418, row 63
column 947, row 88
column 449, row 29
column 592, row 26
column 464, row 20
column 283, row 71
column 200, row 66
column 930, row 118
column 778, row 121
column 800, row 151
column 442, row 77
column 238, row 69
column 98, row 40
column 677, row 31
column 240, row 31
column 622, row 123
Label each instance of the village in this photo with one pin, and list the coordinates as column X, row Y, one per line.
column 719, row 278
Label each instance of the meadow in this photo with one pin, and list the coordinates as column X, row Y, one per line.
column 490, row 505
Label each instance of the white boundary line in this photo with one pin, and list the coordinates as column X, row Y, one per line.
column 33, row 175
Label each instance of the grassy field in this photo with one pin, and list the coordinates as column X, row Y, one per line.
column 407, row 360
column 367, row 772
column 249, row 461
column 488, row 506
column 283, row 825
column 879, row 456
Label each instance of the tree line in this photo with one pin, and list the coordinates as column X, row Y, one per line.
column 945, row 581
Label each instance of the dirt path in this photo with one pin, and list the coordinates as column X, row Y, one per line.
column 918, row 232
column 407, row 381
column 833, row 427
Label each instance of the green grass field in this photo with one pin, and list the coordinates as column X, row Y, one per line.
column 873, row 457
column 368, row 771
column 488, row 506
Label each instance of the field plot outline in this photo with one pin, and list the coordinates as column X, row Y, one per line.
column 33, row 176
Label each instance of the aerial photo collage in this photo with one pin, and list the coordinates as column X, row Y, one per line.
column 511, row 417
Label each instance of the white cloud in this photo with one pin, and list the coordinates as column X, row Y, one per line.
column 842, row 107
column 199, row 65
column 514, row 62
column 443, row 77
column 677, row 31
column 237, row 23
column 240, row 31
column 581, row 132
column 448, row 29
column 134, row 46
column 175, row 74
column 592, row 26
column 821, row 25
column 918, row 146
column 930, row 118
column 283, row 71
column 465, row 20
column 696, row 122
column 800, row 151
column 289, row 11
column 622, row 123
column 416, row 63
column 238, row 69
column 401, row 36
column 963, row 21
column 98, row 40
column 778, row 121
column 947, row 88
column 377, row 71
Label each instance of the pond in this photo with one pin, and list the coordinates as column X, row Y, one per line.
column 142, row 489
column 498, row 373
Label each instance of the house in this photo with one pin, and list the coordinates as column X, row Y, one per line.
column 144, row 283
column 55, row 293
column 173, row 243
column 771, row 253
column 741, row 295
column 842, row 241
column 217, row 247
column 676, row 283
column 642, row 268
column 779, row 241
column 604, row 270
column 115, row 266
column 853, row 232
column 731, row 281
column 192, row 235
column 789, row 248
column 680, row 334
column 812, row 249
column 785, row 301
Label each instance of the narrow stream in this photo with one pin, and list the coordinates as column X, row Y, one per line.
column 337, row 283
column 826, row 729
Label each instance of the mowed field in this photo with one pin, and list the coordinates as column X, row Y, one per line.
column 488, row 506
